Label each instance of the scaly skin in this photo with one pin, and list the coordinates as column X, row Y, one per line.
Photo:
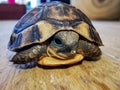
column 29, row 55
column 89, row 50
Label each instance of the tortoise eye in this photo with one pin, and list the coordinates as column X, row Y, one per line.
column 58, row 42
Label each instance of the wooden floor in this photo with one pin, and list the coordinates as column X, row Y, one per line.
column 103, row 74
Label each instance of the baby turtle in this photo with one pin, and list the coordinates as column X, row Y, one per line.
column 57, row 31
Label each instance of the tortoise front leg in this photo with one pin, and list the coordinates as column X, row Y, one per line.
column 29, row 56
column 89, row 50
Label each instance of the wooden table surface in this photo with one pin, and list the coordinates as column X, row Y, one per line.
column 103, row 74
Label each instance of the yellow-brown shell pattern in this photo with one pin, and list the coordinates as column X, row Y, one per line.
column 38, row 25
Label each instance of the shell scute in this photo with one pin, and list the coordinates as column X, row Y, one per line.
column 28, row 19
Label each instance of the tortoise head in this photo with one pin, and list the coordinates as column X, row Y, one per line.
column 63, row 44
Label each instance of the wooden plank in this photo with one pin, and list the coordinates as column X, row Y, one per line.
column 103, row 74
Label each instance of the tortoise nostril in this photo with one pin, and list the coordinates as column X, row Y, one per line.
column 73, row 52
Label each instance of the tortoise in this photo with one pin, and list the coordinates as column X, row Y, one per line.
column 55, row 30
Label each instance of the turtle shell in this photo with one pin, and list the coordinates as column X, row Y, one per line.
column 38, row 25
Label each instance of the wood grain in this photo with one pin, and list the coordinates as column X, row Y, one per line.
column 99, row 9
column 103, row 74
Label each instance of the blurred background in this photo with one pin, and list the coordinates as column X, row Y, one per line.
column 94, row 9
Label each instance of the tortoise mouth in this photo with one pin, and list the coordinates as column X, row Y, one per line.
column 52, row 53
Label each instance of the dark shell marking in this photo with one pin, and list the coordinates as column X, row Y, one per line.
column 35, row 34
column 15, row 41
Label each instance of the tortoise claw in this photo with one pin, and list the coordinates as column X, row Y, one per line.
column 28, row 65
